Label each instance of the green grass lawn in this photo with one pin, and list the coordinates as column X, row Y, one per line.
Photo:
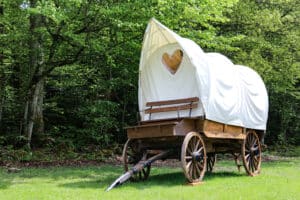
column 278, row 180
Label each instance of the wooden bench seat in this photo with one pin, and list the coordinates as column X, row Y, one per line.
column 172, row 105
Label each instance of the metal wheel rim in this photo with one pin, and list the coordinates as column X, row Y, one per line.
column 128, row 152
column 193, row 157
column 251, row 153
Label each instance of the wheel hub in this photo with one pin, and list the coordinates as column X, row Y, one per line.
column 253, row 151
column 196, row 157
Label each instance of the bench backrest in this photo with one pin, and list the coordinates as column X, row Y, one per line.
column 172, row 105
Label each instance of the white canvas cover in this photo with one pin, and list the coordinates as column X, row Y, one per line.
column 230, row 94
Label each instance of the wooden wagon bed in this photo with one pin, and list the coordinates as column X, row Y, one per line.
column 181, row 127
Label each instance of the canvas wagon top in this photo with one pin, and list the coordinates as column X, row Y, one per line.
column 172, row 67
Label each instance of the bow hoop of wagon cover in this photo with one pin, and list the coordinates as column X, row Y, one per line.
column 173, row 67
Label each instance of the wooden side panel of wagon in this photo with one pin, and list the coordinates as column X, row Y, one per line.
column 182, row 127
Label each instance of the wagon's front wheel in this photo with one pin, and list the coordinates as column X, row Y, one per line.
column 132, row 154
column 251, row 153
column 193, row 157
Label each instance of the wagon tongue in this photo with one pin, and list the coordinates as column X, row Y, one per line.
column 137, row 168
column 120, row 180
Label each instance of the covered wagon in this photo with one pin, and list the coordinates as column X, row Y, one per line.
column 193, row 105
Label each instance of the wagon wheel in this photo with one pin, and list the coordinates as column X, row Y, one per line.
column 251, row 153
column 193, row 157
column 211, row 161
column 132, row 154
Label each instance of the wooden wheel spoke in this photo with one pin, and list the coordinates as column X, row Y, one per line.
column 248, row 163
column 195, row 141
column 248, row 146
column 193, row 144
column 249, row 166
column 255, row 148
column 247, row 156
column 188, row 157
column 189, row 165
column 189, row 150
column 254, row 141
column 190, row 170
column 247, row 149
column 256, row 161
column 251, row 139
column 198, row 170
column 193, row 171
column 200, row 150
column 196, row 146
column 253, row 166
column 201, row 167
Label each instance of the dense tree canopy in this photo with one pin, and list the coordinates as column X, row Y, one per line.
column 69, row 69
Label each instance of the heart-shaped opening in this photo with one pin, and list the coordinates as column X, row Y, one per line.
column 172, row 62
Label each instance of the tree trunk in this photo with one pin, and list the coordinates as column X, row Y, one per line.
column 2, row 95
column 1, row 107
column 36, row 91
column 35, row 110
column 39, row 108
column 2, row 75
column 24, row 122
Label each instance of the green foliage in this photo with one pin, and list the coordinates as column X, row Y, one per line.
column 89, row 55
column 98, row 119
column 197, row 20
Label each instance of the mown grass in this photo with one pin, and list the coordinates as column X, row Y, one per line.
column 278, row 180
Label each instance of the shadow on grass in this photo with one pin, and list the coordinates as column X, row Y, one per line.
column 162, row 180
column 85, row 184
column 5, row 183
column 165, row 179
column 226, row 174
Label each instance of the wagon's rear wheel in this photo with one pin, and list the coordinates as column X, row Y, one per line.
column 251, row 153
column 211, row 161
column 132, row 154
column 193, row 157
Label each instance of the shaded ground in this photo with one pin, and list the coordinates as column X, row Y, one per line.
column 117, row 161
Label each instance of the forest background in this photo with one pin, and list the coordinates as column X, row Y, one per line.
column 69, row 68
